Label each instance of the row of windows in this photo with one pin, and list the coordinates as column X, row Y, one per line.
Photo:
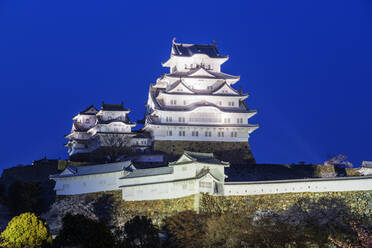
column 174, row 102
column 206, row 133
column 192, row 66
column 183, row 119
column 208, row 88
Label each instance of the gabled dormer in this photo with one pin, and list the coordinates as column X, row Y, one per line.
column 91, row 110
column 69, row 171
column 225, row 89
column 179, row 87
column 200, row 157
column 201, row 72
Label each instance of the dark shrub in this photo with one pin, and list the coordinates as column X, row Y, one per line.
column 138, row 232
column 78, row 230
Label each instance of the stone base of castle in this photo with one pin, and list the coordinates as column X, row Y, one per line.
column 233, row 152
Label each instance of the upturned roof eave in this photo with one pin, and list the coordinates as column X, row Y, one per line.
column 222, row 59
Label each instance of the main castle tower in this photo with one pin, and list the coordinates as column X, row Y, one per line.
column 195, row 107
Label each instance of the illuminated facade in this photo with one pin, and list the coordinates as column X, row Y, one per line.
column 196, row 101
column 93, row 129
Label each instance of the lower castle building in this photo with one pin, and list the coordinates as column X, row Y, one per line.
column 192, row 173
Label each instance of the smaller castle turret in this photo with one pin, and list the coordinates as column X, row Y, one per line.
column 110, row 126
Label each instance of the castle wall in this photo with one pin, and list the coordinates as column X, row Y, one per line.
column 360, row 202
column 234, row 152
column 87, row 184
column 302, row 185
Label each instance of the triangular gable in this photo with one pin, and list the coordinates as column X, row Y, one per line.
column 201, row 73
column 182, row 160
column 225, row 89
column 90, row 110
column 180, row 87
column 68, row 171
column 210, row 176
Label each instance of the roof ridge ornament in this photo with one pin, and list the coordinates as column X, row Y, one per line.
column 214, row 43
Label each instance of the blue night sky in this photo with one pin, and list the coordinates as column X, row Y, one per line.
column 306, row 65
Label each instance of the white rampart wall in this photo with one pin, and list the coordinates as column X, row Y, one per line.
column 87, row 184
column 295, row 186
column 160, row 191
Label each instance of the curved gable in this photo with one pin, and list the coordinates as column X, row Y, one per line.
column 201, row 73
column 180, row 87
column 225, row 89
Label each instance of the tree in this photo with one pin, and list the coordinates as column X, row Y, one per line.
column 321, row 221
column 24, row 197
column 78, row 230
column 139, row 232
column 114, row 146
column 25, row 230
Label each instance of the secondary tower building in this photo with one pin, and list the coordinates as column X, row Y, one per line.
column 195, row 107
column 96, row 133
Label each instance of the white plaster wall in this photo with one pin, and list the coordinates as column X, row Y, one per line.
column 160, row 133
column 86, row 121
column 160, row 191
column 87, row 184
column 146, row 179
column 110, row 115
column 184, row 100
column 184, row 171
column 294, row 186
column 365, row 171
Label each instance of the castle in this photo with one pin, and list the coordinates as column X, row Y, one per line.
column 194, row 107
column 198, row 121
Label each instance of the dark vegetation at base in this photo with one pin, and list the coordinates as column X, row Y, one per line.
column 29, row 186
column 307, row 223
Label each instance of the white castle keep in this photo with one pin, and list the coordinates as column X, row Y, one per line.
column 196, row 101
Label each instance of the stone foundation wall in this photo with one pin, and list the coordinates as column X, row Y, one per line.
column 234, row 152
column 360, row 202
column 123, row 211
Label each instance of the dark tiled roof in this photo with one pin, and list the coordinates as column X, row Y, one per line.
column 201, row 157
column 195, row 105
column 141, row 134
column 95, row 169
column 155, row 121
column 217, row 75
column 150, row 172
column 188, row 50
column 126, row 121
column 85, row 110
column 113, row 107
